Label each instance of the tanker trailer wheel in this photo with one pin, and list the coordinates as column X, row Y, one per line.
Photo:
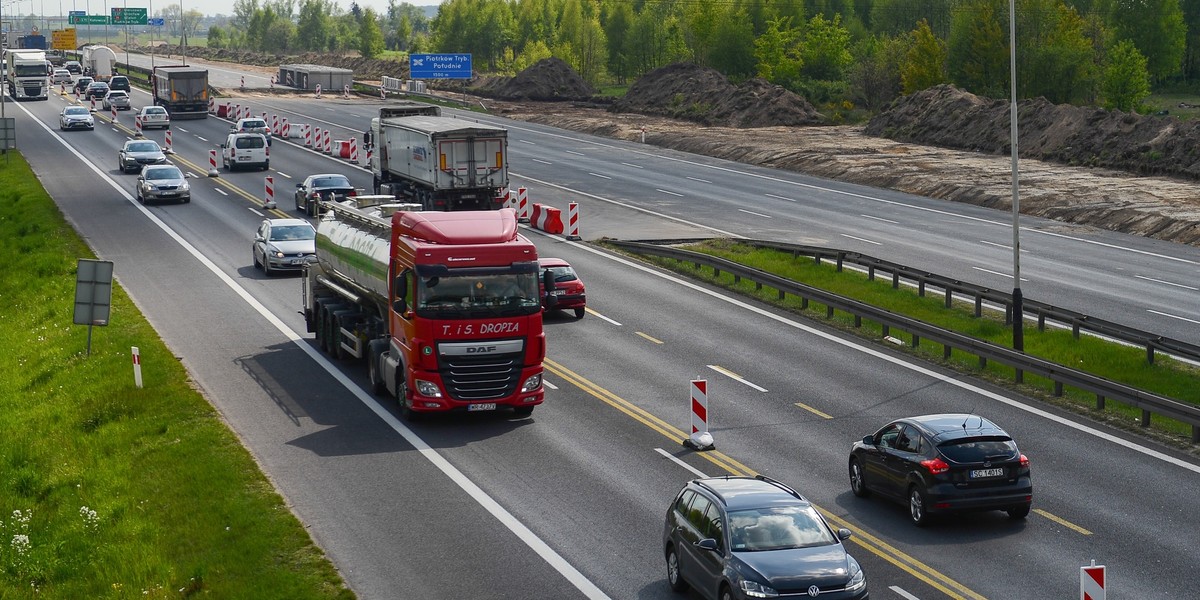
column 319, row 317
column 374, row 373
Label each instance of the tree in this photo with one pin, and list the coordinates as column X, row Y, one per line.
column 217, row 37
column 1156, row 27
column 280, row 36
column 1056, row 58
column 978, row 49
column 1126, row 77
column 825, row 49
column 924, row 64
column 617, row 18
column 875, row 77
column 313, row 27
column 733, row 46
column 776, row 51
column 370, row 37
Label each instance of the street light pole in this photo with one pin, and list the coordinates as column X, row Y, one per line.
column 182, row 34
column 1018, row 304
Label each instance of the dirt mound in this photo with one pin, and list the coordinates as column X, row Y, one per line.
column 549, row 79
column 704, row 95
column 947, row 116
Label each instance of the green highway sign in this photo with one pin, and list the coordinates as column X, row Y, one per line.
column 87, row 20
column 128, row 16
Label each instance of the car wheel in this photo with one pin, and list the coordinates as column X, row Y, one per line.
column 310, row 209
column 726, row 592
column 579, row 313
column 267, row 267
column 254, row 257
column 296, row 200
column 674, row 577
column 187, row 200
column 916, row 506
column 858, row 484
column 1018, row 512
column 141, row 199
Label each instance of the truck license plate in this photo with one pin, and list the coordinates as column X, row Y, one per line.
column 484, row 406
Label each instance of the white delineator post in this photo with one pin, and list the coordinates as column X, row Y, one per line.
column 1091, row 582
column 700, row 439
column 573, row 221
column 212, row 163
column 168, row 149
column 523, row 207
column 269, row 192
column 212, row 106
column 137, row 367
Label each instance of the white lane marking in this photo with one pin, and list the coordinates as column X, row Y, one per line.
column 1009, row 248
column 780, row 197
column 633, row 165
column 599, row 175
column 698, row 179
column 675, row 459
column 181, row 129
column 282, row 174
column 861, row 239
column 600, row 316
column 735, row 377
column 574, row 152
column 201, row 139
column 666, row 192
column 750, row 212
column 255, row 211
column 526, row 142
column 774, row 179
column 544, row 162
column 1008, row 275
column 899, row 362
column 880, row 219
column 220, row 191
column 903, row 594
column 535, row 543
column 549, row 385
column 1172, row 316
column 1186, row 287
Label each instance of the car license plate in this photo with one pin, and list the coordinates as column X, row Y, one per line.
column 168, row 194
column 243, row 158
column 296, row 261
column 484, row 406
column 559, row 292
column 983, row 473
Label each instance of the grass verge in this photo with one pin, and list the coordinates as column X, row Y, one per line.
column 107, row 490
column 1166, row 377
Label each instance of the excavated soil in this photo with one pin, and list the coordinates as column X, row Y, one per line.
column 549, row 80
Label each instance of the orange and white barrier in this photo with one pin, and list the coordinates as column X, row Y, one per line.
column 269, row 193
column 700, row 439
column 573, row 221
column 547, row 218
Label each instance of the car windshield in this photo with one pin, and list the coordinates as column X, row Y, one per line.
column 562, row 274
column 154, row 110
column 254, row 125
column 287, row 233
column 778, row 528
column 142, row 147
column 331, row 182
column 975, row 450
column 478, row 295
column 164, row 173
column 76, row 110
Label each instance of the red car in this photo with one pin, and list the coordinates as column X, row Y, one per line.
column 568, row 288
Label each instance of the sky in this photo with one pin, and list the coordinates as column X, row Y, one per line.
column 208, row 7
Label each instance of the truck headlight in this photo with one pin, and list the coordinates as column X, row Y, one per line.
column 532, row 383
column 428, row 388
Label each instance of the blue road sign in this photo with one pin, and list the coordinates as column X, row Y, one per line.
column 440, row 66
column 156, row 22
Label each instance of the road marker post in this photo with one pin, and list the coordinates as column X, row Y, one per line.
column 137, row 367
column 168, row 149
column 700, row 439
column 269, row 192
column 212, row 163
column 573, row 221
column 1092, row 582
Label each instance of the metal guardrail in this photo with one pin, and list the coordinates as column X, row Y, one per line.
column 1077, row 321
column 1061, row 375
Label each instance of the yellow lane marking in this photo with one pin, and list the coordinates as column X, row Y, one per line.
column 891, row 554
column 655, row 340
column 724, row 371
column 1062, row 521
column 813, row 410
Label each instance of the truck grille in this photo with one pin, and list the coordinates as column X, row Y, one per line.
column 486, row 377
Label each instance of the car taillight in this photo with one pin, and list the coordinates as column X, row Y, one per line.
column 935, row 465
column 315, row 196
column 268, row 150
column 1024, row 462
column 353, row 193
column 232, row 152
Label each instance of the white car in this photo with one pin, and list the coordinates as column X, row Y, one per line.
column 155, row 116
column 60, row 76
column 76, row 117
column 117, row 99
column 252, row 125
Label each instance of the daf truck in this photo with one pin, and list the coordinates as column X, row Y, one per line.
column 27, row 76
column 442, row 306
column 441, row 163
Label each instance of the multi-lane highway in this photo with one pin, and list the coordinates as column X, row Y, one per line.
column 570, row 503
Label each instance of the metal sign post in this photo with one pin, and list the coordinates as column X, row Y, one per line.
column 93, row 294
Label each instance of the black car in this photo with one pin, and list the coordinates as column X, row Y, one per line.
column 327, row 186
column 74, row 67
column 82, row 83
column 119, row 82
column 753, row 537
column 96, row 90
column 942, row 464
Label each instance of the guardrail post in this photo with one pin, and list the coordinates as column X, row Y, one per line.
column 916, row 340
column 1196, row 434
column 1099, row 402
column 1149, row 354
column 978, row 306
column 840, row 256
column 1041, row 321
column 949, row 297
column 1020, row 376
column 895, row 280
column 871, row 273
column 828, row 311
column 886, row 330
column 946, row 350
column 803, row 303
column 1075, row 329
column 1058, row 389
column 921, row 288
column 782, row 294
column 857, row 321
column 1145, row 418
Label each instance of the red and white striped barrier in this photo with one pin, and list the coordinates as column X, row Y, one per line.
column 266, row 121
column 547, row 218
column 212, row 163
column 308, row 135
column 212, row 106
column 77, row 94
column 285, row 130
column 700, row 439
column 345, row 91
column 522, row 205
column 573, row 221
column 328, row 143
column 137, row 125
column 243, row 82
column 382, row 93
column 269, row 192
column 168, row 149
column 114, row 112
column 93, row 104
column 318, row 143
column 354, row 150
column 275, row 125
column 367, row 158
column 62, row 89
column 318, row 91
column 137, row 366
column 1091, row 582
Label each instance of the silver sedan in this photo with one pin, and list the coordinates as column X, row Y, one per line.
column 76, row 117
column 284, row 244
column 136, row 154
column 163, row 182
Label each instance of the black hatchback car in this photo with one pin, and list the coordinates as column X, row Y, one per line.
column 753, row 537
column 942, row 464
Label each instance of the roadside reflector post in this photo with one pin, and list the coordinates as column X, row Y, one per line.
column 700, row 438
column 1091, row 582
column 114, row 113
column 137, row 367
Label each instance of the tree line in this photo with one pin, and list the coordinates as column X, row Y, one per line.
column 843, row 52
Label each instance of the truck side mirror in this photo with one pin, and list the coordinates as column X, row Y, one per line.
column 548, row 285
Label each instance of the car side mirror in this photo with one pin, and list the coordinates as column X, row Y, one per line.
column 222, row 146
column 869, row 440
column 707, row 544
column 844, row 534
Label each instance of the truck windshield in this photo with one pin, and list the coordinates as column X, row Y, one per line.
column 30, row 70
column 477, row 296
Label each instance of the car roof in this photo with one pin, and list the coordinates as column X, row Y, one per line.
column 739, row 493
column 119, row 92
column 948, row 426
column 552, row 262
column 286, row 222
column 139, row 141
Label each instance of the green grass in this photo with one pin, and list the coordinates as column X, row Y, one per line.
column 121, row 492
column 1169, row 101
column 1166, row 377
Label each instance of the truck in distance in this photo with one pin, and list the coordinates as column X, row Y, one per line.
column 441, row 163
column 27, row 77
column 442, row 306
column 182, row 90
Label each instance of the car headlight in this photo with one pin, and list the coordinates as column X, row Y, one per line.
column 532, row 383
column 184, row 187
column 428, row 388
column 755, row 589
column 858, row 577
